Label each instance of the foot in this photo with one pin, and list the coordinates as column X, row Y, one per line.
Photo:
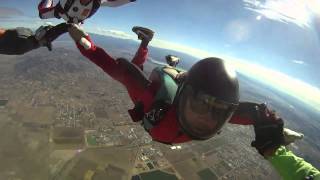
column 172, row 60
column 144, row 34
column 46, row 3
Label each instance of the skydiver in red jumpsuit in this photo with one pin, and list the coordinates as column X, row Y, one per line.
column 174, row 106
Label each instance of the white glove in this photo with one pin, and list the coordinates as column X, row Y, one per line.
column 291, row 136
column 79, row 36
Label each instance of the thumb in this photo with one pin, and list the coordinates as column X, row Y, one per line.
column 76, row 32
column 291, row 136
column 79, row 36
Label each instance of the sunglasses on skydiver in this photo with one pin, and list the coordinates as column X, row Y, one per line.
column 203, row 103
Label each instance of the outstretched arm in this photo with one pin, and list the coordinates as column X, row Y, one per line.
column 17, row 41
column 115, row 3
column 292, row 167
column 270, row 141
column 94, row 53
column 22, row 40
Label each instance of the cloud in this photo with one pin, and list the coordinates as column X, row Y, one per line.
column 298, row 62
column 6, row 12
column 238, row 30
column 299, row 12
column 115, row 33
column 294, row 87
column 258, row 18
column 155, row 42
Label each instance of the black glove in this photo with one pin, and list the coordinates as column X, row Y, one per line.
column 46, row 34
column 54, row 32
column 268, row 130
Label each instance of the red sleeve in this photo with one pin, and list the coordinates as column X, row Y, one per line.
column 98, row 56
column 241, row 120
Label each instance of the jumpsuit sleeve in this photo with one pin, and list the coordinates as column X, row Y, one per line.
column 98, row 56
column 291, row 167
column 115, row 3
column 46, row 9
column 17, row 41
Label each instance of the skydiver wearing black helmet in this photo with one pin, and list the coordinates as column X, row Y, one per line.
column 177, row 107
column 174, row 106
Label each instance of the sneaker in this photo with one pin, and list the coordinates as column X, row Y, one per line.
column 46, row 3
column 143, row 33
column 172, row 60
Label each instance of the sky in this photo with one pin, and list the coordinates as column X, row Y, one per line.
column 274, row 41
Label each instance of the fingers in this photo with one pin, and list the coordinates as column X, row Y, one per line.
column 79, row 36
column 291, row 136
column 76, row 32
column 40, row 33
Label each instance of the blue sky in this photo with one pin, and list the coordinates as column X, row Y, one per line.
column 277, row 35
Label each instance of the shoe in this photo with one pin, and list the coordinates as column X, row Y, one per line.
column 143, row 33
column 172, row 60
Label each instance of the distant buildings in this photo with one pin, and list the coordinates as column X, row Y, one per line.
column 65, row 135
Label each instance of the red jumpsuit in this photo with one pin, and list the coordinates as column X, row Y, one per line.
column 167, row 130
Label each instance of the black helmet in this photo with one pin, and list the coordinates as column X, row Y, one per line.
column 207, row 98
column 172, row 60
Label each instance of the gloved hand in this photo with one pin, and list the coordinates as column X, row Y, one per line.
column 40, row 36
column 291, row 136
column 79, row 36
column 46, row 34
column 269, row 131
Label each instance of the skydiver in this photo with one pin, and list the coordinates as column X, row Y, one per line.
column 75, row 11
column 22, row 40
column 176, row 107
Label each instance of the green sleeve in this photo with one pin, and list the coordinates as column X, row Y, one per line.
column 291, row 167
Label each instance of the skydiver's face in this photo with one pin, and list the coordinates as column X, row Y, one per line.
column 200, row 122
column 201, row 115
